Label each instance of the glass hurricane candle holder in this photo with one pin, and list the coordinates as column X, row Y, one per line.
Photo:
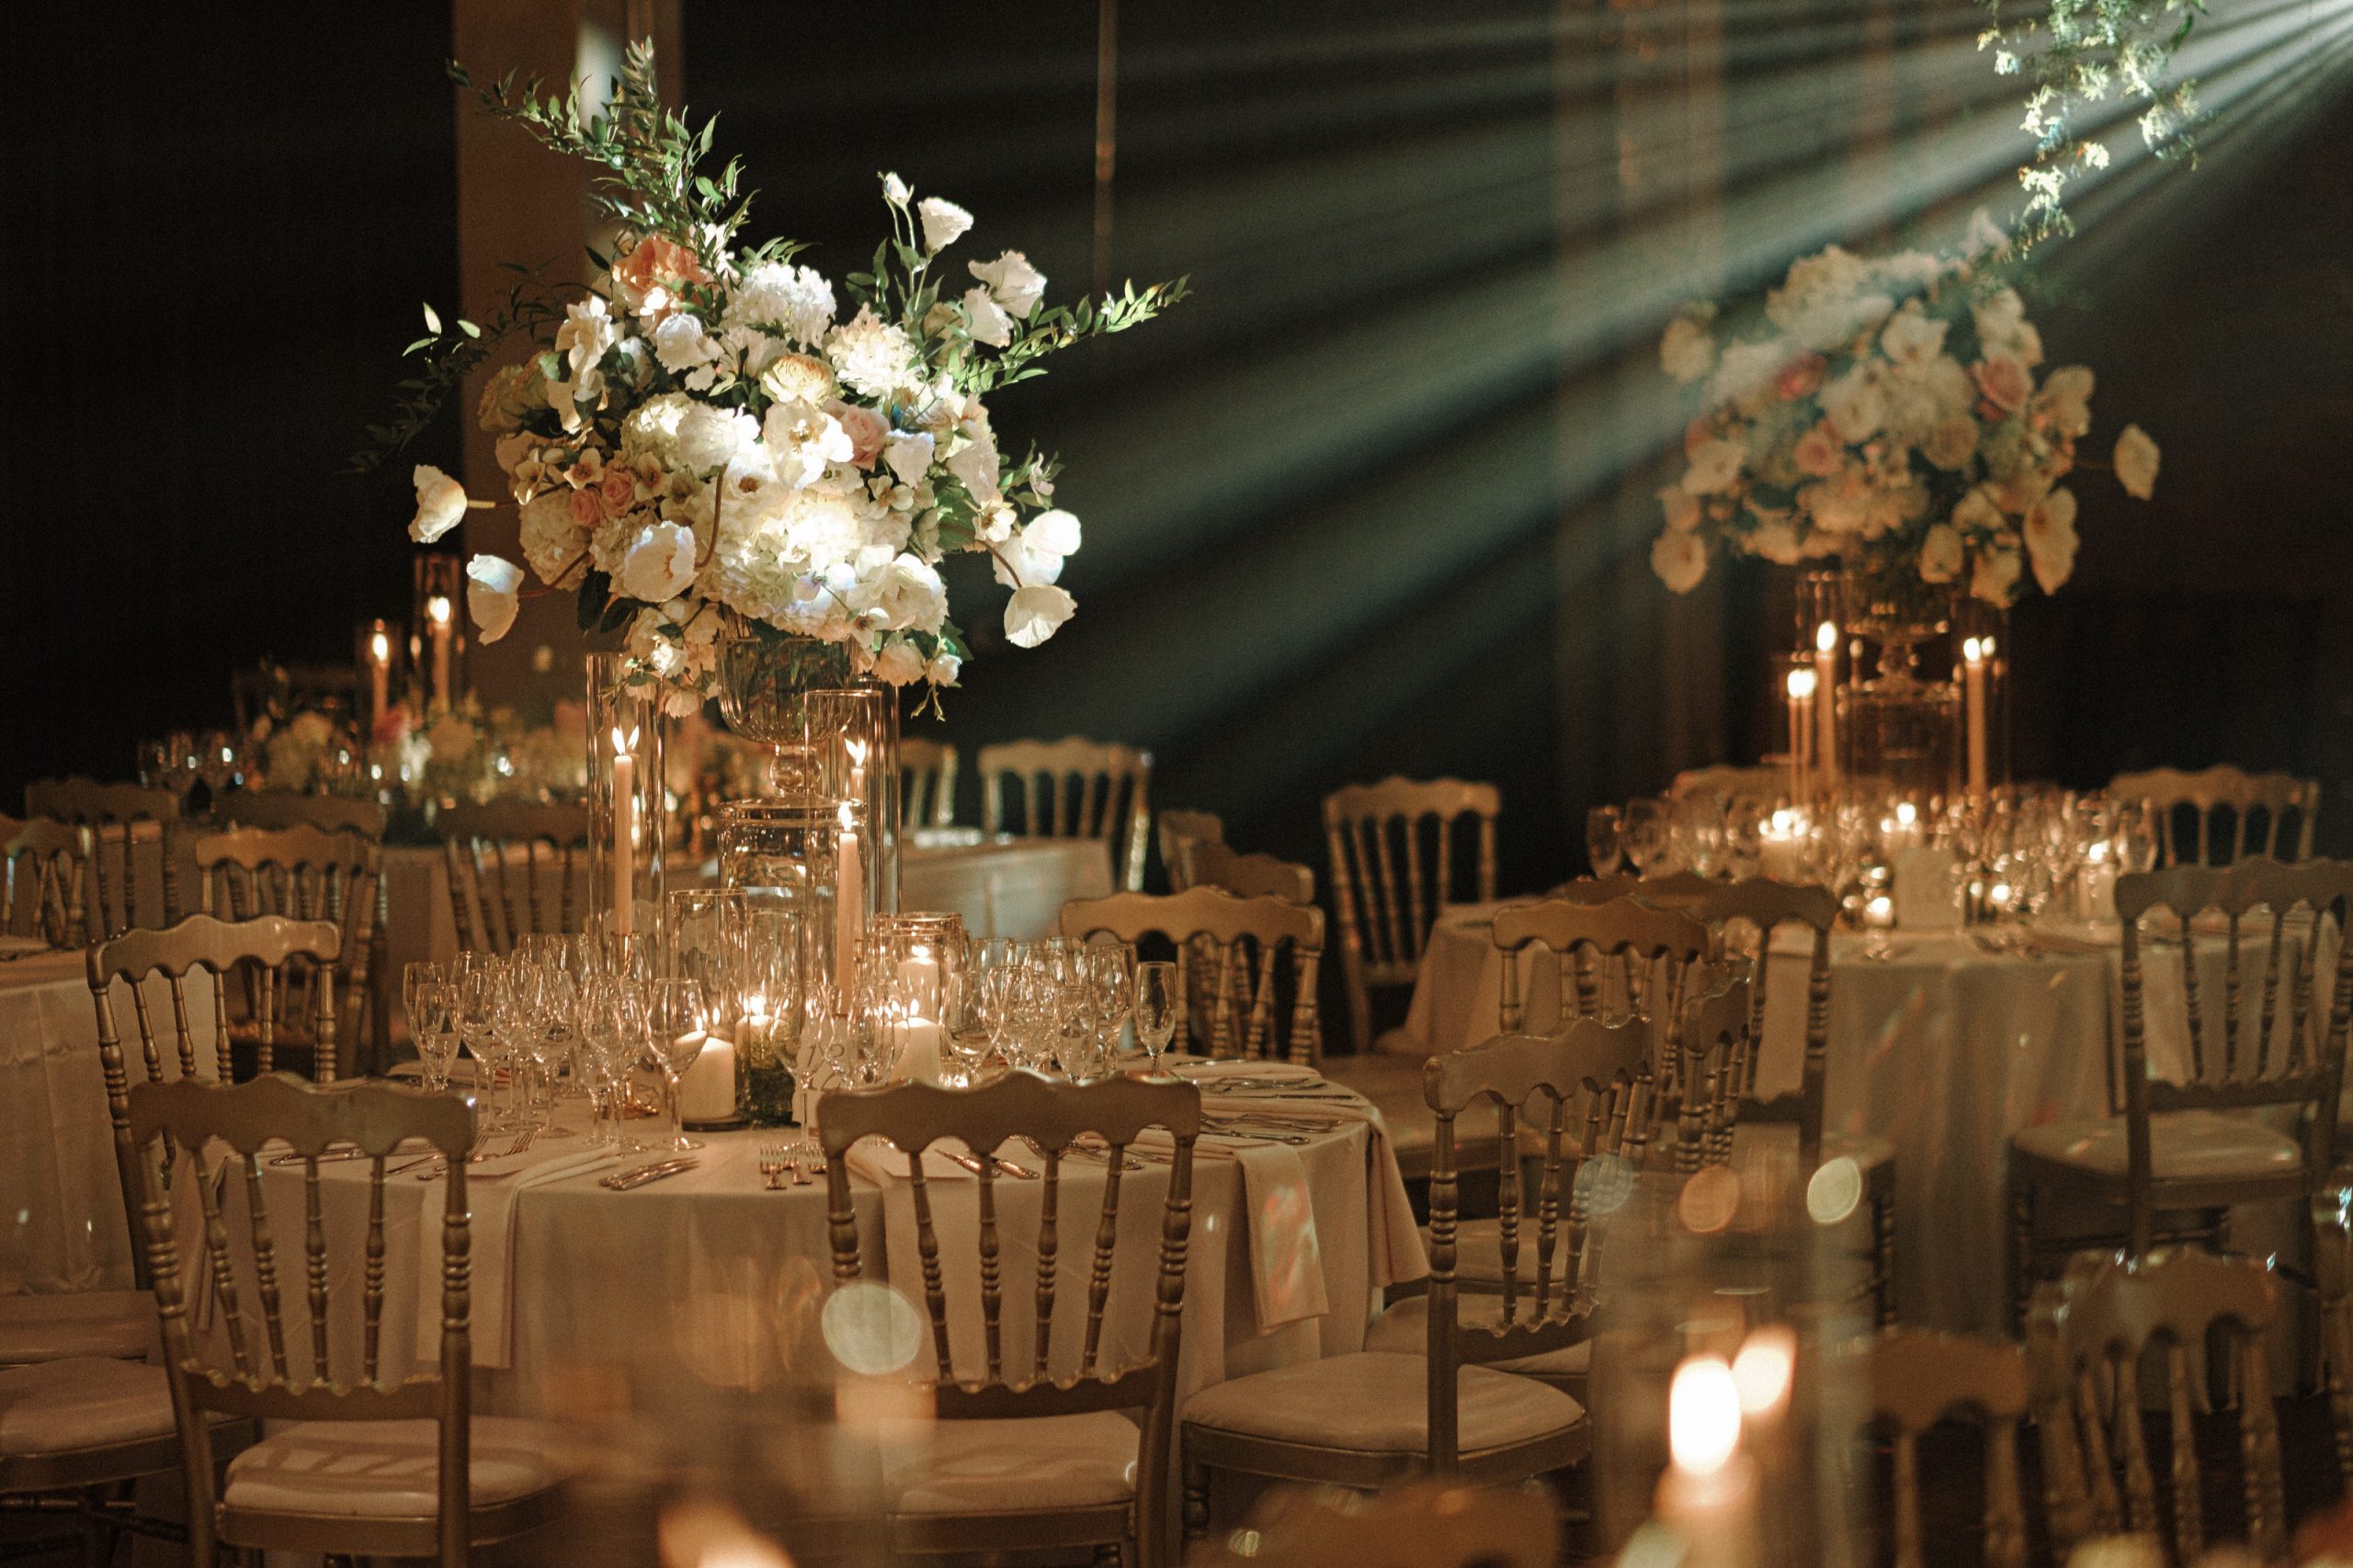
column 789, row 853
column 627, row 808
column 703, row 936
column 854, row 738
column 436, row 648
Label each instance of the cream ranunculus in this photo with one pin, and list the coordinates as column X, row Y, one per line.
column 441, row 505
column 2136, row 462
column 1679, row 558
column 660, row 563
column 1941, row 554
column 1017, row 285
column 1687, row 351
column 1036, row 613
column 944, row 222
column 990, row 323
column 492, row 594
column 899, row 664
column 2050, row 539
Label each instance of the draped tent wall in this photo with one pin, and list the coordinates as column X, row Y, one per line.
column 1380, row 498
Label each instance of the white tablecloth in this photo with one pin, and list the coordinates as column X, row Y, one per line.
column 62, row 1214
column 1941, row 1047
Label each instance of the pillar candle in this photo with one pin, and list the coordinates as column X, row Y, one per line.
column 707, row 1089
column 1826, row 703
column 437, row 613
column 1972, row 661
column 1708, row 1492
column 849, row 883
column 624, row 837
column 379, row 676
column 919, row 1057
column 1802, row 685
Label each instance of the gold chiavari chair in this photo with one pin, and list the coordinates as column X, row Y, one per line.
column 253, row 956
column 928, row 782
column 1242, row 939
column 1074, row 789
column 1364, row 1419
column 2088, row 1339
column 1915, row 1381
column 2208, row 795
column 303, row 873
column 1027, row 1458
column 1215, row 865
column 377, row 1461
column 1371, row 831
column 114, row 815
column 500, row 857
column 1755, row 908
column 291, row 808
column 1179, row 830
column 43, row 878
column 1424, row 1526
column 2189, row 1145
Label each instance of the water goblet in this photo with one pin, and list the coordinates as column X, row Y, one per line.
column 1155, row 1007
column 473, row 1010
column 1109, row 970
column 433, row 1032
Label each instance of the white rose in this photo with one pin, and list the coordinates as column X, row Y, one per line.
column 1941, row 554
column 491, row 594
column 894, row 190
column 2050, row 539
column 1687, row 351
column 990, row 323
column 1036, row 613
column 944, row 222
column 2136, row 462
column 681, row 345
column 1715, row 466
column 710, row 438
column 943, row 669
column 1017, row 285
column 441, row 505
column 1679, row 558
column 660, row 563
column 909, row 457
column 899, row 664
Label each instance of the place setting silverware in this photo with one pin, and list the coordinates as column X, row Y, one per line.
column 639, row 1175
column 781, row 1167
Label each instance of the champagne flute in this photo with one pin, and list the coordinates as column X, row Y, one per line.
column 414, row 975
column 675, row 1028
column 1605, row 835
column 1155, row 1007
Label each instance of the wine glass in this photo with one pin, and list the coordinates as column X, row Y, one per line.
column 2136, row 838
column 612, row 1023
column 1155, row 1007
column 475, row 1010
column 1605, row 835
column 432, row 1029
column 1645, row 834
column 416, row 973
column 1109, row 969
column 676, row 1024
column 556, row 1022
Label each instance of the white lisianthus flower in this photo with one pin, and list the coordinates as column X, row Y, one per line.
column 2050, row 539
column 1679, row 558
column 1036, row 613
column 1036, row 553
column 944, row 222
column 1995, row 580
column 682, row 347
column 975, row 466
column 587, row 332
column 795, row 301
column 872, row 355
column 441, row 505
column 990, row 323
column 492, row 594
column 1017, row 285
column 660, row 563
column 1054, row 533
column 909, row 457
column 1687, row 351
column 2136, row 462
column 710, row 438
column 896, row 191
column 899, row 664
column 943, row 669
column 1715, row 466
column 801, row 440
column 1941, row 554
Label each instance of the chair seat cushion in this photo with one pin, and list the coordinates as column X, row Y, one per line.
column 1404, row 1329
column 386, row 1469
column 1378, row 1403
column 2183, row 1145
column 90, row 1401
column 120, row 1324
column 1036, row 1465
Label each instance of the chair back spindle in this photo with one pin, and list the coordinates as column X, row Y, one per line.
column 1073, row 788
column 1393, row 865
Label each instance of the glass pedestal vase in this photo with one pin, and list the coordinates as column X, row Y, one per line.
column 765, row 679
column 628, row 805
column 1899, row 729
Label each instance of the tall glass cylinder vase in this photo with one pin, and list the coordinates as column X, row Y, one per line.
column 436, row 648
column 628, row 808
column 1821, row 638
column 854, row 738
column 1899, row 727
column 787, row 855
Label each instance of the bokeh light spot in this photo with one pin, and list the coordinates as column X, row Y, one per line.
column 871, row 1328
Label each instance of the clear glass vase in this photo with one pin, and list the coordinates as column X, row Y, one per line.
column 627, row 830
column 1899, row 729
column 765, row 679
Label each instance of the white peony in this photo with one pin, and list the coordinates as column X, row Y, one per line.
column 2136, row 462
column 660, row 563
column 1941, row 554
column 1715, row 466
column 1687, row 351
column 944, row 222
column 906, row 595
column 990, row 324
column 909, row 457
column 872, row 355
column 1035, row 613
column 682, row 347
column 899, row 664
column 1679, row 558
column 1017, row 285
column 801, row 440
column 2050, row 539
column 441, row 505
column 710, row 438
column 491, row 598
column 796, row 301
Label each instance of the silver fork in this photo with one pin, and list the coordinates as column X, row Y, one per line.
column 774, row 1163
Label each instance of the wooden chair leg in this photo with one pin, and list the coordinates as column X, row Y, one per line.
column 1197, row 1501
column 1883, row 1244
column 2021, row 1249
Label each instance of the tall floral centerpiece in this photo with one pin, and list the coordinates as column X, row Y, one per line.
column 1889, row 417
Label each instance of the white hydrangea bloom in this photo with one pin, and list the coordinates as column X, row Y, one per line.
column 872, row 357
column 795, row 301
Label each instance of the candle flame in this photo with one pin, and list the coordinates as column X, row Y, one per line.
column 857, row 750
column 1802, row 684
column 380, row 647
column 1906, row 813
column 1703, row 1415
column 1826, row 637
column 623, row 744
column 1764, row 1369
column 848, row 826
column 1972, row 650
column 436, row 608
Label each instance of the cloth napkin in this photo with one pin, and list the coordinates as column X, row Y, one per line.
column 883, row 1163
column 492, row 1188
column 1286, row 1255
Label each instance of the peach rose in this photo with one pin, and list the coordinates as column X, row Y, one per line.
column 619, row 490
column 1800, row 377
column 2005, row 382
column 1817, row 453
column 866, row 431
column 657, row 261
column 586, row 512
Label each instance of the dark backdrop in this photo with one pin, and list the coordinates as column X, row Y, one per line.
column 1322, row 500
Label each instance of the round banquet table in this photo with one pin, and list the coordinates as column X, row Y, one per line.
column 1944, row 1043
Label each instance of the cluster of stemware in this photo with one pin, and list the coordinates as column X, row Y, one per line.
column 1060, row 1006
